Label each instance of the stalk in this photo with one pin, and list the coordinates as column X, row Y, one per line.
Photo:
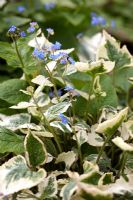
column 102, row 149
column 89, row 93
column 48, row 126
column 78, row 145
column 54, row 85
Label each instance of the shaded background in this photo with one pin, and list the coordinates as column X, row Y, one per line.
column 68, row 18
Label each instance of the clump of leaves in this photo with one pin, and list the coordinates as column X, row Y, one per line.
column 64, row 133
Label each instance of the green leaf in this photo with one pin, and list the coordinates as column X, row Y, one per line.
column 110, row 126
column 9, row 91
column 48, row 188
column 10, row 141
column 99, row 101
column 8, row 53
column 120, row 58
column 35, row 150
column 16, row 176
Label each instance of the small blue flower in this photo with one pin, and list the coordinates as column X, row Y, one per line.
column 56, row 46
column 34, row 24
column 12, row 29
column 97, row 20
column 54, row 56
column 49, row 6
column 50, row 31
column 63, row 61
column 68, row 88
column 70, row 59
column 51, row 94
column 101, row 21
column 31, row 29
column 64, row 120
column 21, row 9
column 113, row 24
column 22, row 34
column 38, row 54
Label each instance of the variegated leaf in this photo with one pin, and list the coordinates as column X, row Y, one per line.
column 16, row 176
column 109, row 127
column 35, row 150
column 118, row 141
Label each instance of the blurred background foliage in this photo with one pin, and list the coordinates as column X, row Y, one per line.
column 71, row 21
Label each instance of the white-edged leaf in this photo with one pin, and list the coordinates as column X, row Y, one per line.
column 51, row 65
column 16, row 176
column 63, row 127
column 97, row 67
column 110, row 126
column 68, row 190
column 14, row 122
column 70, row 69
column 35, row 150
column 67, row 157
column 48, row 188
column 40, row 41
column 23, row 105
column 42, row 80
column 118, row 141
column 55, row 110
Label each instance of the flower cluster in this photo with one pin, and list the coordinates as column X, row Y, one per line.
column 38, row 54
column 33, row 27
column 12, row 29
column 97, row 20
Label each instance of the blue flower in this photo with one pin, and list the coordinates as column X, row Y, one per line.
column 34, row 24
column 68, row 88
column 31, row 29
column 49, row 6
column 63, row 61
column 56, row 46
column 113, row 24
column 97, row 20
column 50, row 31
column 70, row 59
column 51, row 94
column 22, row 34
column 21, row 9
column 12, row 29
column 54, row 56
column 38, row 54
column 64, row 120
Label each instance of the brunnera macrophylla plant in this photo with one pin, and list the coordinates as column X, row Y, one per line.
column 65, row 125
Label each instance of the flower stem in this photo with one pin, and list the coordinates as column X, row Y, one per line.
column 18, row 54
column 89, row 93
column 54, row 85
column 122, row 164
column 78, row 145
column 102, row 149
column 48, row 126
